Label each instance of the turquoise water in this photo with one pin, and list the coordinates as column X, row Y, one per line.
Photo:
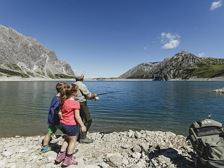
column 153, row 105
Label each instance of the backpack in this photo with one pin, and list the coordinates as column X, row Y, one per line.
column 207, row 139
column 53, row 118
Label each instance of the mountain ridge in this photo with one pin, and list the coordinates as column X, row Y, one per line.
column 24, row 56
column 183, row 65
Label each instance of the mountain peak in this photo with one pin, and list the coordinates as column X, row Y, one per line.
column 184, row 53
column 24, row 56
column 183, row 65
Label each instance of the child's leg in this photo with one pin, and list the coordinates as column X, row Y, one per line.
column 64, row 144
column 69, row 160
column 61, row 155
column 47, row 138
column 71, row 144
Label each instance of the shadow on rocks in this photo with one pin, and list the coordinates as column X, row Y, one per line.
column 169, row 156
column 55, row 146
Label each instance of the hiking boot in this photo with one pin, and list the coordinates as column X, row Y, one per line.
column 85, row 140
column 69, row 161
column 60, row 157
column 45, row 149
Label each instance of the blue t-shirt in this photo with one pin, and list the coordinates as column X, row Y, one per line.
column 53, row 118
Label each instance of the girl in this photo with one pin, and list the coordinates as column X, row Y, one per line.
column 70, row 122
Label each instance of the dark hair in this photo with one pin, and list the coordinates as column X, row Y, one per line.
column 59, row 86
column 67, row 91
column 79, row 78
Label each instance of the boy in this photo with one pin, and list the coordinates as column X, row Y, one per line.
column 53, row 118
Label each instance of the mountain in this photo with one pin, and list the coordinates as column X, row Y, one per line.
column 24, row 56
column 183, row 65
column 140, row 71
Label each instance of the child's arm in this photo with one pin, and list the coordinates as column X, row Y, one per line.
column 59, row 114
column 79, row 120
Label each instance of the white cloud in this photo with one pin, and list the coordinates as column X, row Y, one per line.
column 216, row 4
column 170, row 40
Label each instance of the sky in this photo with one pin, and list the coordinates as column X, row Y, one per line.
column 105, row 38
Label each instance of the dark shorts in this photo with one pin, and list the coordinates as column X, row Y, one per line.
column 52, row 129
column 70, row 130
column 85, row 112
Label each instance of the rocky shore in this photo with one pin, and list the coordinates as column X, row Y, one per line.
column 129, row 149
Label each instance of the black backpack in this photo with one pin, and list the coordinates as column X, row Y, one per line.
column 207, row 139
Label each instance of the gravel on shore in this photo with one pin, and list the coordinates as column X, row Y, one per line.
column 129, row 149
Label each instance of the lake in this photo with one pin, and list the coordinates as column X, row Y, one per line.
column 152, row 105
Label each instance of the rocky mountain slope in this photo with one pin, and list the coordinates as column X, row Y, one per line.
column 25, row 57
column 140, row 71
column 183, row 65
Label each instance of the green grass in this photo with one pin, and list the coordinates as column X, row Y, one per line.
column 13, row 67
column 63, row 76
column 208, row 71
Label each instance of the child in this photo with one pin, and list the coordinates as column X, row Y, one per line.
column 53, row 118
column 70, row 122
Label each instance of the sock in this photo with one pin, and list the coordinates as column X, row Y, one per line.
column 69, row 155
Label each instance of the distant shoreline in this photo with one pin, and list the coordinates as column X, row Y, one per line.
column 18, row 79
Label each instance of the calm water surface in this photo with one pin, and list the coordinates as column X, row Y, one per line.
column 152, row 105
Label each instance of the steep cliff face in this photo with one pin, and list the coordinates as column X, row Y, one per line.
column 24, row 56
column 183, row 65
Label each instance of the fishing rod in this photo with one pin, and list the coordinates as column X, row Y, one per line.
column 103, row 93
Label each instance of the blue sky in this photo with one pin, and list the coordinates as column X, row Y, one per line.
column 105, row 38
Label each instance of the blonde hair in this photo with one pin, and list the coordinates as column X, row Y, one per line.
column 67, row 91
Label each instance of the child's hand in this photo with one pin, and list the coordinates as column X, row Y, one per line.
column 60, row 114
column 83, row 128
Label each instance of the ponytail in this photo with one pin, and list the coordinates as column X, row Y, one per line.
column 67, row 91
column 63, row 96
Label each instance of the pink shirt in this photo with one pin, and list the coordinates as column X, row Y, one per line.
column 67, row 111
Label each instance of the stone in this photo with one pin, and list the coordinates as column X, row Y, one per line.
column 136, row 155
column 20, row 164
column 91, row 166
column 104, row 165
column 141, row 164
column 7, row 153
column 138, row 135
column 22, row 149
column 137, row 148
column 11, row 165
column 145, row 147
column 131, row 134
column 125, row 146
column 3, row 162
column 48, row 165
column 51, row 156
column 162, row 159
column 114, row 159
column 107, row 152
